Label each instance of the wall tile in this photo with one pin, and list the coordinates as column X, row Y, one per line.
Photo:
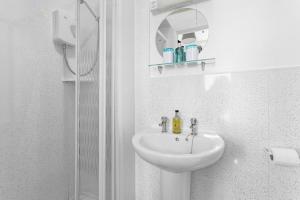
column 251, row 111
column 34, row 163
column 148, row 181
column 284, row 130
column 235, row 106
column 242, row 173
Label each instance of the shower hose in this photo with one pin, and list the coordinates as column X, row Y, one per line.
column 95, row 58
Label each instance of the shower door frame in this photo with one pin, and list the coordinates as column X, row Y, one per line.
column 111, row 141
column 77, row 92
column 102, row 101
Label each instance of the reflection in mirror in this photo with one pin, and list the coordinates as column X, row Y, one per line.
column 184, row 27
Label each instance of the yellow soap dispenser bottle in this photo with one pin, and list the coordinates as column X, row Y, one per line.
column 177, row 123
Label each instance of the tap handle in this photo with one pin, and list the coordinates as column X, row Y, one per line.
column 193, row 121
column 164, row 124
column 164, row 119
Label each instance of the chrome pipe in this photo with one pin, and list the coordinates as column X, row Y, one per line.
column 90, row 9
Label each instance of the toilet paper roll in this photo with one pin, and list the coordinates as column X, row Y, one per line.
column 285, row 157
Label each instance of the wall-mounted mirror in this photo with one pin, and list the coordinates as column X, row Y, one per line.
column 186, row 26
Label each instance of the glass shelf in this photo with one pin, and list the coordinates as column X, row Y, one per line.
column 201, row 62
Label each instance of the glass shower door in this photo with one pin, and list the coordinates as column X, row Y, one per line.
column 88, row 101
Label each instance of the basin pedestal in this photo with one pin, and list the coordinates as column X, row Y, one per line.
column 175, row 186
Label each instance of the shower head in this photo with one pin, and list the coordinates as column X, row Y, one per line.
column 90, row 9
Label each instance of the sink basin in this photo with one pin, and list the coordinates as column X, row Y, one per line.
column 176, row 154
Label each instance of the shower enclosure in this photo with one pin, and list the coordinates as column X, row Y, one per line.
column 51, row 108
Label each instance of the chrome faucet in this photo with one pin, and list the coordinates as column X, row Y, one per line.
column 194, row 127
column 164, row 124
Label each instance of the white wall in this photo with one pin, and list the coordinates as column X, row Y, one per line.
column 245, row 34
column 250, row 110
column 123, row 54
column 34, row 149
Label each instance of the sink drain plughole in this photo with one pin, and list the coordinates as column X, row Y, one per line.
column 187, row 139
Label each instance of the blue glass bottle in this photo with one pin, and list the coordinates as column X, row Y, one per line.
column 179, row 53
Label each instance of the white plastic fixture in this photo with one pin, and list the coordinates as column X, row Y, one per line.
column 64, row 28
column 158, row 6
column 177, row 156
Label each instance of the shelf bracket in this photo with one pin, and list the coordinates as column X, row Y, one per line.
column 203, row 66
column 160, row 68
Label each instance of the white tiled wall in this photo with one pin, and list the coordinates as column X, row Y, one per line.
column 251, row 110
column 34, row 149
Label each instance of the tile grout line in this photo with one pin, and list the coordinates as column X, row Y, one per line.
column 268, row 134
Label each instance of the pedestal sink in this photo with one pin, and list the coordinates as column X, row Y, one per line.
column 177, row 156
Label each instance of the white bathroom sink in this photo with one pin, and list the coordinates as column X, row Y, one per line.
column 174, row 153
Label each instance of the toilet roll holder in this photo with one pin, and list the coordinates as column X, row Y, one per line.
column 270, row 153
